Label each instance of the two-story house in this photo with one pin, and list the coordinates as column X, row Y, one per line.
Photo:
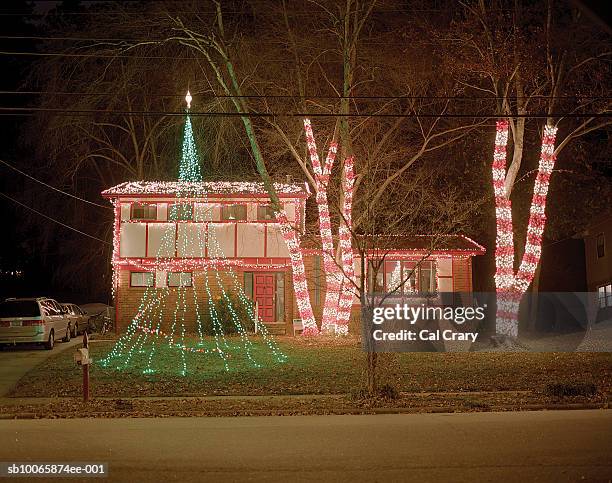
column 164, row 240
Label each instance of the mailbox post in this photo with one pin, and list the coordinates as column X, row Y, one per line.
column 81, row 357
column 86, row 367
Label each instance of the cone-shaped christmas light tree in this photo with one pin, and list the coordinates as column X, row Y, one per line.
column 206, row 296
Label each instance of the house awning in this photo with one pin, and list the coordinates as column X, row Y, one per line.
column 204, row 188
column 408, row 245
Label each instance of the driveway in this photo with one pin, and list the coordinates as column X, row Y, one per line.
column 15, row 361
column 545, row 446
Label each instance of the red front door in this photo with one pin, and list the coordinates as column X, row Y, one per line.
column 263, row 288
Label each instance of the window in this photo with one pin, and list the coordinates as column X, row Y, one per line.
column 280, row 297
column 414, row 277
column 376, row 276
column 143, row 211
column 181, row 212
column 393, row 277
column 142, row 279
column 248, row 284
column 69, row 309
column 265, row 213
column 427, row 277
column 410, row 273
column 601, row 245
column 233, row 212
column 19, row 308
column 179, row 279
column 604, row 294
column 50, row 308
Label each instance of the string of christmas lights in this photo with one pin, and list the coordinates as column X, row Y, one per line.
column 332, row 278
column 161, row 301
column 346, row 247
column 510, row 287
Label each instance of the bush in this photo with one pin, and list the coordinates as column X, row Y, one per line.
column 224, row 308
column 569, row 389
column 387, row 391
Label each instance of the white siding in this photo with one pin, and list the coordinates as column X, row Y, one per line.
column 276, row 244
column 191, row 241
column 290, row 210
column 221, row 240
column 250, row 240
column 161, row 239
column 133, row 240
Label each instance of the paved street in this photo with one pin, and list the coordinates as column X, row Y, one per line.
column 528, row 446
column 15, row 361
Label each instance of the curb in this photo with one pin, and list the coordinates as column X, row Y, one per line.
column 289, row 412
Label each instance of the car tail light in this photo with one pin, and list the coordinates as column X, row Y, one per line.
column 31, row 323
column 5, row 323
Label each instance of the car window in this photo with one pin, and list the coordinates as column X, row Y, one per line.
column 19, row 308
column 58, row 308
column 47, row 308
column 54, row 308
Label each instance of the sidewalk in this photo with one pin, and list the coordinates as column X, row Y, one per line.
column 16, row 361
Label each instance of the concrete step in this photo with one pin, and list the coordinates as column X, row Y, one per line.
column 276, row 328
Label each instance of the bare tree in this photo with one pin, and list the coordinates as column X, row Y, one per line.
column 521, row 70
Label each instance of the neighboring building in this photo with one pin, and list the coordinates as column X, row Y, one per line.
column 162, row 239
column 598, row 258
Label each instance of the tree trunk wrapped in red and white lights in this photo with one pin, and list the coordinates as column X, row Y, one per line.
column 511, row 287
column 300, row 285
column 345, row 303
column 332, row 275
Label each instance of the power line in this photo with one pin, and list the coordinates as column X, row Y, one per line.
column 120, row 56
column 297, row 96
column 311, row 12
column 28, row 110
column 149, row 40
column 53, row 219
column 53, row 187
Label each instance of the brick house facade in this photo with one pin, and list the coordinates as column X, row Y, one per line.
column 225, row 237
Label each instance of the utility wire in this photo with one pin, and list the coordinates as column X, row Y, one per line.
column 310, row 12
column 126, row 56
column 297, row 96
column 53, row 187
column 53, row 219
column 29, row 110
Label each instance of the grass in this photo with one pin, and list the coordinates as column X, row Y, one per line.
column 313, row 367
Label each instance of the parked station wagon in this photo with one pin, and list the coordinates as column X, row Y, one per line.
column 79, row 320
column 33, row 320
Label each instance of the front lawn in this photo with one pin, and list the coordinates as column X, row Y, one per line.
column 312, row 367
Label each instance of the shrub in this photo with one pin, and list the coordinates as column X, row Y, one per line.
column 387, row 391
column 569, row 389
column 224, row 308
